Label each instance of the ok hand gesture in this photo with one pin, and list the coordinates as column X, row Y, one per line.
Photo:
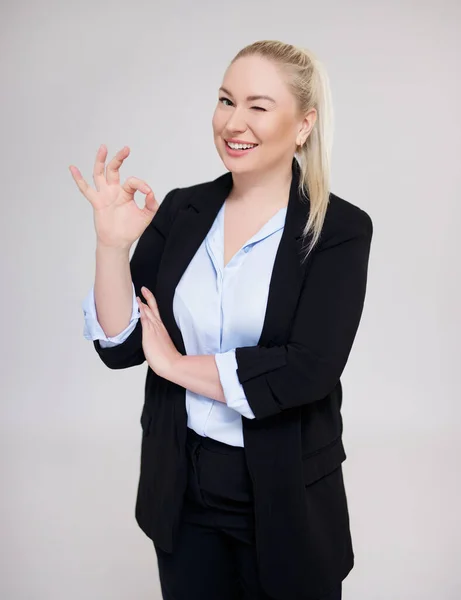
column 118, row 220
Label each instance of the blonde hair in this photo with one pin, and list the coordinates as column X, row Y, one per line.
column 308, row 81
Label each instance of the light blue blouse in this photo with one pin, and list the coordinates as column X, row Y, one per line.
column 217, row 309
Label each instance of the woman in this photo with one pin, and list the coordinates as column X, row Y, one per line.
column 253, row 287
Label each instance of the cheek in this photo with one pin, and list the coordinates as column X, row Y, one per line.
column 281, row 133
column 270, row 129
column 217, row 123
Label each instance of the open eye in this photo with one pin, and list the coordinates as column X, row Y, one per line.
column 224, row 99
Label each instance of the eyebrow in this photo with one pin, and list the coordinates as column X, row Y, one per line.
column 251, row 98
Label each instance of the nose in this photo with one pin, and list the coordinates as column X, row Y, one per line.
column 236, row 123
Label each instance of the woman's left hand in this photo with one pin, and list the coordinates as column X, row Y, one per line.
column 160, row 352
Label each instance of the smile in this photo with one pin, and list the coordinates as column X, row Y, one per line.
column 242, row 146
column 237, row 150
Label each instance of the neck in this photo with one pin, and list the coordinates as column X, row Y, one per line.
column 271, row 187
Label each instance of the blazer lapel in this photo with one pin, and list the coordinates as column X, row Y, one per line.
column 287, row 274
column 190, row 228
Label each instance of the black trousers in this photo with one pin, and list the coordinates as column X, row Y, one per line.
column 215, row 555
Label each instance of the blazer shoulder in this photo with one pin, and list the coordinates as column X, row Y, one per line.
column 173, row 202
column 345, row 220
column 198, row 194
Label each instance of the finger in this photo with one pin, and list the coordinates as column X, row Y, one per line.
column 146, row 314
column 82, row 185
column 132, row 185
column 151, row 301
column 99, row 177
column 151, row 204
column 112, row 171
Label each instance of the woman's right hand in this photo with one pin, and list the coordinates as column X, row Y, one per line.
column 118, row 220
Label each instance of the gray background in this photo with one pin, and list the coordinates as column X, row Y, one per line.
column 146, row 75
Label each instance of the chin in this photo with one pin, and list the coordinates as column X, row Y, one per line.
column 235, row 166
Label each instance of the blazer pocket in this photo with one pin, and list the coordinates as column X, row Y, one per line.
column 146, row 419
column 323, row 462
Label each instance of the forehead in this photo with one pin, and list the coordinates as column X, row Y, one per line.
column 255, row 75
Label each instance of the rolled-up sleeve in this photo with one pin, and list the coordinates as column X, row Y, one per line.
column 92, row 329
column 233, row 389
column 308, row 367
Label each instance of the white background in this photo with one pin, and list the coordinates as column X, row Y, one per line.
column 146, row 75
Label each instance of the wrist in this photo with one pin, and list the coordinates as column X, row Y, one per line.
column 102, row 248
column 172, row 368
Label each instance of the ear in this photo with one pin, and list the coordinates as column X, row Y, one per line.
column 307, row 125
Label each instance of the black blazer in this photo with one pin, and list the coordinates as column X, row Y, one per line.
column 291, row 379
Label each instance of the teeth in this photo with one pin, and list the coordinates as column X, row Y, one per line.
column 240, row 146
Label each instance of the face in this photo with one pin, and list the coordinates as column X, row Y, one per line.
column 272, row 122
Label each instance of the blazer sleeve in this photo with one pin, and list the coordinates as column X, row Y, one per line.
column 144, row 265
column 307, row 368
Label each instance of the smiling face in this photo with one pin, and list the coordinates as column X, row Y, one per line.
column 272, row 122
